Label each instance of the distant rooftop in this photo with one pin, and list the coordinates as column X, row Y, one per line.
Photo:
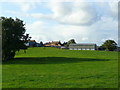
column 83, row 44
column 31, row 40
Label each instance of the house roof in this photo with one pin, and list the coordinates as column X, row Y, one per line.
column 82, row 44
column 31, row 40
column 53, row 42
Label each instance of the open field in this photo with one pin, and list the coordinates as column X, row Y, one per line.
column 45, row 67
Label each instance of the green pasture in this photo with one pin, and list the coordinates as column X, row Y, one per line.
column 45, row 67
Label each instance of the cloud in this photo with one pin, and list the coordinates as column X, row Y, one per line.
column 24, row 5
column 78, row 13
column 40, row 16
column 85, row 38
column 84, row 22
column 114, row 9
column 76, row 20
column 104, row 29
column 72, row 13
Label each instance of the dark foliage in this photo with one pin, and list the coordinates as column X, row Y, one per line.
column 101, row 48
column 41, row 44
column 109, row 45
column 69, row 42
column 13, row 37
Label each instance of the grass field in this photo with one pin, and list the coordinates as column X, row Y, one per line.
column 45, row 67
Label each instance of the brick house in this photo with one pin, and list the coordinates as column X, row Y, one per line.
column 52, row 44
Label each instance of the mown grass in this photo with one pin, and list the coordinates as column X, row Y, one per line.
column 45, row 67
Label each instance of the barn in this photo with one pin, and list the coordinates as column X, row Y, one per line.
column 86, row 46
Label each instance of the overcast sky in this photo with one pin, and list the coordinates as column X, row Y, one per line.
column 85, row 21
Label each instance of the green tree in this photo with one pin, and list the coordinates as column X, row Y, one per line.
column 101, row 48
column 56, row 44
column 41, row 44
column 110, row 45
column 13, row 37
column 72, row 41
column 64, row 44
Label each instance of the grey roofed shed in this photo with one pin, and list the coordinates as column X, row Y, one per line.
column 83, row 46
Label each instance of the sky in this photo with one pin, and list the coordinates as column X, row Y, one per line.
column 86, row 21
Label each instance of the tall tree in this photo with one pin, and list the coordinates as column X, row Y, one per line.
column 64, row 44
column 12, row 37
column 110, row 45
column 72, row 41
column 41, row 44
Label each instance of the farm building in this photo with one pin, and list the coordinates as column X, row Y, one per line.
column 32, row 43
column 83, row 46
column 53, row 44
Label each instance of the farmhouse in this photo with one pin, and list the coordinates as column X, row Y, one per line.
column 86, row 46
column 32, row 43
column 53, row 43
